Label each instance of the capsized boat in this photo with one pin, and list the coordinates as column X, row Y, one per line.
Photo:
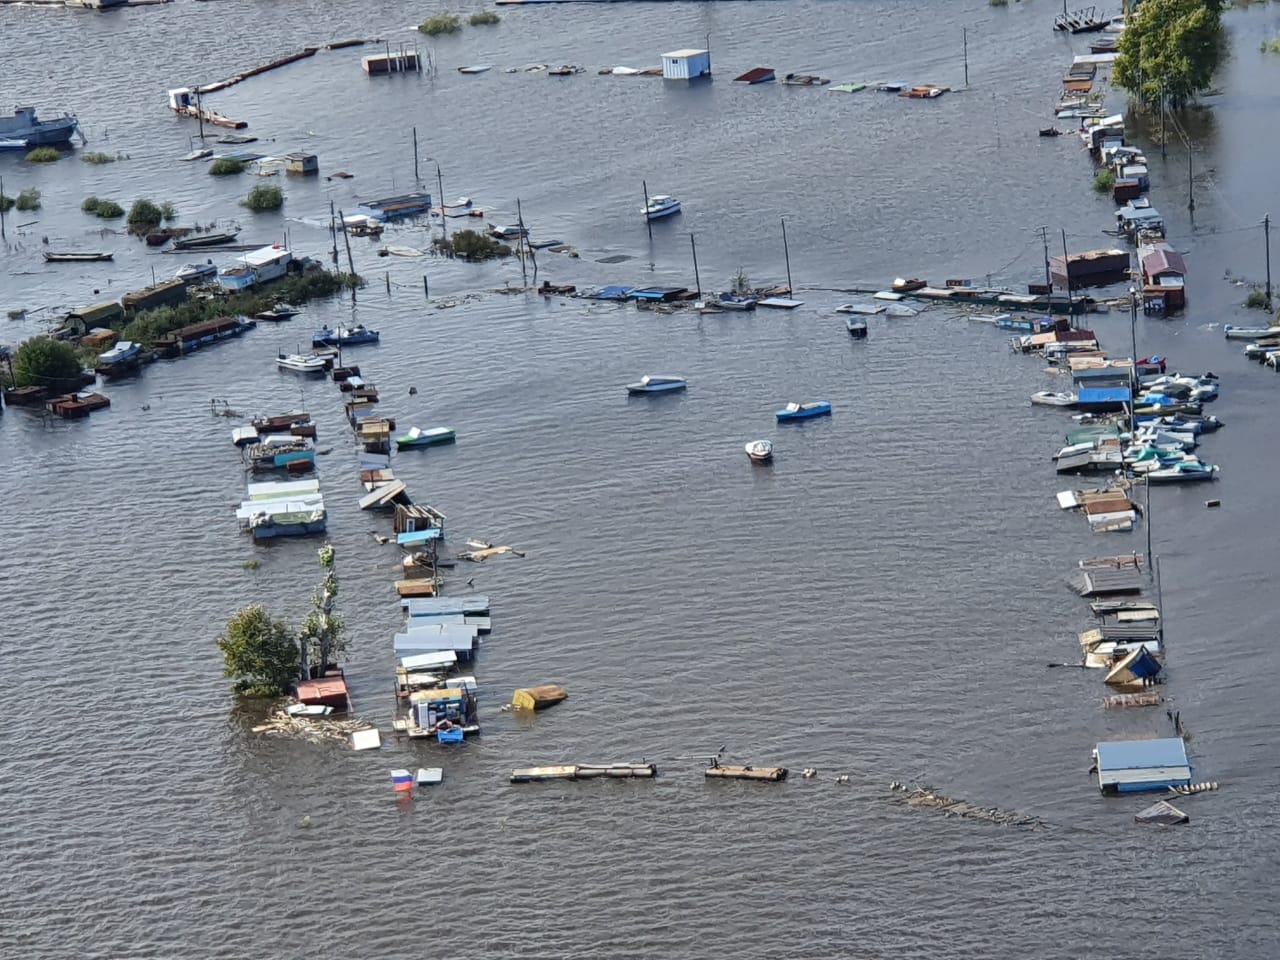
column 760, row 451
column 660, row 206
column 803, row 411
column 345, row 336
column 460, row 207
column 417, row 437
column 655, row 383
column 303, row 362
column 1183, row 471
column 1047, row 398
column 857, row 328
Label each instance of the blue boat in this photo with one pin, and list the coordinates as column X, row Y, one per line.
column 122, row 355
column 345, row 336
column 803, row 411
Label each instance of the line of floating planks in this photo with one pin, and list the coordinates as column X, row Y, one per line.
column 617, row 771
column 953, row 807
column 302, row 54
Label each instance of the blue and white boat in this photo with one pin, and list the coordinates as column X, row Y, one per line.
column 654, row 383
column 660, row 206
column 803, row 411
column 1184, row 471
column 23, row 126
column 729, row 301
column 345, row 336
column 418, row 437
column 121, row 355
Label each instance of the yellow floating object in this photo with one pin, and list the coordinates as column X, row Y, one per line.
column 538, row 698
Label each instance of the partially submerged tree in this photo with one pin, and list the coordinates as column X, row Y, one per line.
column 259, row 652
column 1170, row 50
column 44, row 362
column 324, row 632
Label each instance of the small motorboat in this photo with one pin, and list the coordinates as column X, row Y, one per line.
column 1250, row 333
column 345, row 336
column 654, row 383
column 730, row 302
column 1183, row 471
column 866, row 309
column 195, row 272
column 565, row 70
column 303, row 362
column 803, row 411
column 760, row 451
column 245, row 435
column 1047, row 398
column 276, row 314
column 122, row 354
column 1050, row 132
column 857, row 328
column 417, row 437
column 460, row 207
column 660, row 206
column 308, row 710
column 907, row 286
column 77, row 257
column 507, row 232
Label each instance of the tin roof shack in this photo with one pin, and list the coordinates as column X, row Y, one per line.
column 166, row 294
column 1092, row 268
column 1163, row 278
column 328, row 692
column 398, row 208
column 305, row 164
column 686, row 64
column 1131, row 766
column 1133, row 220
column 104, row 314
column 1103, row 399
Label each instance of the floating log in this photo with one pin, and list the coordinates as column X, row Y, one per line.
column 538, row 698
column 415, row 588
column 254, row 71
column 618, row 771
column 734, row 771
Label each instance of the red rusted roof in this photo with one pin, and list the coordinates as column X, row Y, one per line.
column 331, row 691
column 1160, row 261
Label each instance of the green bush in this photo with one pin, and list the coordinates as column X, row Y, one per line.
column 168, row 211
column 440, row 23
column 264, row 197
column 470, row 245
column 43, row 362
column 483, row 17
column 1257, row 300
column 28, row 199
column 6, row 203
column 43, row 155
column 998, row 3
column 226, row 166
column 98, row 157
column 144, row 216
column 1104, row 181
column 99, row 207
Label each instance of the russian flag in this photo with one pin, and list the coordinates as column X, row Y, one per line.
column 402, row 780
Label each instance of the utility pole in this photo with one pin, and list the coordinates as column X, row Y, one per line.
column 200, row 115
column 786, row 253
column 1066, row 273
column 333, row 229
column 1048, row 277
column 346, row 236
column 1191, row 184
column 1133, row 368
column 645, row 207
column 965, row 35
column 416, row 178
column 440, row 187
column 693, row 247
column 1266, row 239
column 2, row 236
column 1162, row 113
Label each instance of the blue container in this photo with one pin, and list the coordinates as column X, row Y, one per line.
column 452, row 735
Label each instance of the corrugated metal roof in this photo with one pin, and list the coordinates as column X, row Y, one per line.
column 1142, row 754
column 1104, row 395
column 1160, row 261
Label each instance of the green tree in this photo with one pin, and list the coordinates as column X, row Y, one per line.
column 43, row 362
column 144, row 216
column 263, row 197
column 1170, row 49
column 324, row 632
column 260, row 653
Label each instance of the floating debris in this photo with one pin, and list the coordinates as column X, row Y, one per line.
column 953, row 807
column 734, row 771
column 616, row 771
column 1163, row 813
column 538, row 698
column 313, row 728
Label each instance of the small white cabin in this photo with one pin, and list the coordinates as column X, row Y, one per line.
column 686, row 64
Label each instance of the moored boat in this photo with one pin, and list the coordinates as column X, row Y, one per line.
column 728, row 301
column 195, row 272
column 417, row 437
column 23, row 126
column 660, row 206
column 277, row 315
column 1250, row 333
column 303, row 362
column 857, row 328
column 1183, row 471
column 77, row 257
column 1047, row 398
column 204, row 240
column 760, row 451
column 345, row 336
column 654, row 383
column 803, row 411
column 123, row 355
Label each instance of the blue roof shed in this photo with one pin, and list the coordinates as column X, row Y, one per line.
column 1129, row 766
column 1103, row 399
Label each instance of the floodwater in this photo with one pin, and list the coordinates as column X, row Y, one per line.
column 882, row 601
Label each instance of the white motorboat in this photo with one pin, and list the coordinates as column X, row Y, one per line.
column 1183, row 471
column 760, row 451
column 653, row 383
column 303, row 362
column 660, row 206
column 460, row 207
column 1047, row 398
column 869, row 309
column 1250, row 333
column 193, row 272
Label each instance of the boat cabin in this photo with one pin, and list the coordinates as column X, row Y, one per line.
column 686, row 64
column 305, row 164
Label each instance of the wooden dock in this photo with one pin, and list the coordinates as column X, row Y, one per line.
column 231, row 81
column 734, row 771
column 613, row 771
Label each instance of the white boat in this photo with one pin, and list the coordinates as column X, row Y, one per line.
column 1183, row 471
column 868, row 309
column 308, row 710
column 302, row 362
column 1047, row 398
column 660, row 206
column 760, row 451
column 654, row 383
column 191, row 272
column 1250, row 333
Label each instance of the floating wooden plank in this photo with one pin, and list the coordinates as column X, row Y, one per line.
column 616, row 771
column 415, row 588
column 732, row 771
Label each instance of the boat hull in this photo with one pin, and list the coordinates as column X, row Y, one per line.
column 805, row 413
column 636, row 389
column 662, row 213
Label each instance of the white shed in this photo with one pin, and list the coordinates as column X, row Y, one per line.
column 686, row 64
